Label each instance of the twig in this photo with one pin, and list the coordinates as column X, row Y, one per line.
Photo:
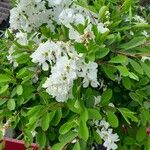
column 2, row 97
column 132, row 55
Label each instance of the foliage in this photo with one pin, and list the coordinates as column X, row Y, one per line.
column 122, row 52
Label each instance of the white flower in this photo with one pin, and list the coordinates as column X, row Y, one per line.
column 33, row 133
column 59, row 2
column 104, row 124
column 48, row 51
column 144, row 58
column 67, row 16
column 29, row 15
column 97, row 100
column 74, row 35
column 22, row 38
column 111, row 105
column 101, row 28
column 35, row 79
column 54, row 2
column 79, row 19
column 37, row 38
column 60, row 82
column 109, row 139
column 65, row 67
column 63, row 60
column 89, row 73
column 107, row 135
column 11, row 57
column 132, row 33
column 145, row 33
column 85, row 37
column 139, row 19
column 107, row 13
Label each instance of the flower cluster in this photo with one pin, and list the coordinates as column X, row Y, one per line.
column 11, row 57
column 72, row 60
column 107, row 135
column 66, row 66
column 57, row 56
column 26, row 15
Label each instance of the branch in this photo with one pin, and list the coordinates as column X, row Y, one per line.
column 132, row 55
column 3, row 97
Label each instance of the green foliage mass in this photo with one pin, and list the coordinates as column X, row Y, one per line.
column 126, row 77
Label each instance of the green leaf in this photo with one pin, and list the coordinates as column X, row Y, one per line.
column 67, row 139
column 5, row 78
column 41, row 139
column 119, row 59
column 36, row 110
column 102, row 52
column 69, row 135
column 83, row 130
column 57, row 117
column 79, row 47
column 59, row 146
column 19, row 90
column 45, row 121
column 146, row 68
column 144, row 81
column 11, row 104
column 135, row 42
column 147, row 145
column 145, row 116
column 71, row 105
column 97, row 137
column 84, row 115
column 127, row 114
column 102, row 12
column 67, row 127
column 112, row 119
column 51, row 115
column 4, row 88
column 126, row 82
column 146, row 104
column 135, row 97
column 94, row 114
column 141, row 134
column 22, row 73
column 45, row 31
column 133, row 76
column 83, row 144
column 77, row 146
column 141, row 25
column 3, row 101
column 110, row 72
column 123, row 70
column 129, row 140
column 28, row 91
column 127, row 5
column 136, row 66
column 22, row 59
column 106, row 96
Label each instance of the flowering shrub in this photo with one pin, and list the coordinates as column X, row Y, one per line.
column 77, row 73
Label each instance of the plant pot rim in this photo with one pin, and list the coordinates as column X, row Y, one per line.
column 13, row 144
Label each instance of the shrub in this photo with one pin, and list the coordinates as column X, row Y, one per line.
column 76, row 73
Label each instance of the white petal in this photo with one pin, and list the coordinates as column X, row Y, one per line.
column 45, row 66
